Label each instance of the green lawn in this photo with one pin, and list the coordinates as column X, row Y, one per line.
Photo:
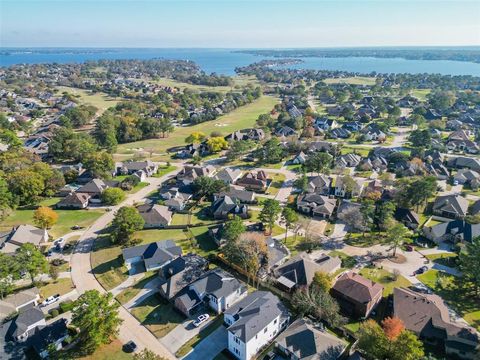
column 66, row 218
column 137, row 187
column 239, row 81
column 100, row 100
column 128, row 294
column 241, row 118
column 190, row 344
column 199, row 215
column 357, row 149
column 385, row 278
column 112, row 351
column 459, row 296
column 60, row 286
column 354, row 80
column 152, row 235
column 421, row 94
column 107, row 263
column 292, row 243
column 276, row 184
column 163, row 170
column 447, row 259
column 348, row 262
column 158, row 315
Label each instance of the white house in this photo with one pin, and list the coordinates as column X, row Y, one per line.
column 253, row 323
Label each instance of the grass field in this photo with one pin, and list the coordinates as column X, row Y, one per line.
column 357, row 80
column 157, row 315
column 112, row 351
column 129, row 293
column 99, row 100
column 241, row 118
column 66, row 218
column 239, row 81
column 60, row 286
column 421, row 94
column 385, row 278
column 163, row 170
column 276, row 184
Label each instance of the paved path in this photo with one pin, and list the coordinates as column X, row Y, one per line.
column 70, row 296
column 181, row 334
column 210, row 346
column 149, row 289
column 129, row 282
column 83, row 278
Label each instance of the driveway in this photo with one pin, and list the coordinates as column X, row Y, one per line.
column 210, row 346
column 181, row 334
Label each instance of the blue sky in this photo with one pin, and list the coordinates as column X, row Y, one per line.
column 238, row 23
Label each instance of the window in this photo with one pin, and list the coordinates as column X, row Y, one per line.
column 265, row 330
column 275, row 321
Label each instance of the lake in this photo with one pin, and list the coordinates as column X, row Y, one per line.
column 224, row 61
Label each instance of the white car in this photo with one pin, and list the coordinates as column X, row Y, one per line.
column 59, row 242
column 201, row 319
column 51, row 300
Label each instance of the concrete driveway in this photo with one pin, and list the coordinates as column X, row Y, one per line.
column 181, row 334
column 210, row 346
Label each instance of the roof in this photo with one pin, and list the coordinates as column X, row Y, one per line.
column 357, row 288
column 47, row 335
column 26, row 319
column 73, row 199
column 407, row 215
column 155, row 214
column 159, row 252
column 218, row 283
column 17, row 300
column 426, row 314
column 238, row 194
column 456, row 227
column 301, row 269
column 307, row 342
column 228, row 175
column 28, row 234
column 276, row 251
column 451, row 203
column 138, row 165
column 318, row 203
column 95, row 186
column 253, row 313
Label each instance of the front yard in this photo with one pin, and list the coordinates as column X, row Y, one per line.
column 158, row 315
column 129, row 293
column 59, row 286
column 276, row 183
column 385, row 278
column 190, row 344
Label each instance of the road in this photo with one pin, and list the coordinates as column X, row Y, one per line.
column 84, row 279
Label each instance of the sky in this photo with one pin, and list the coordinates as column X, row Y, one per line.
column 238, row 23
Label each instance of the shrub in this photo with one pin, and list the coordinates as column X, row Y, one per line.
column 54, row 313
column 66, row 306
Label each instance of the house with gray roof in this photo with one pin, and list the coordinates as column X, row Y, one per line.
column 217, row 289
column 23, row 325
column 451, row 206
column 22, row 234
column 23, row 299
column 74, row 200
column 229, row 176
column 428, row 317
column 303, row 340
column 300, row 270
column 155, row 216
column 316, row 205
column 132, row 167
column 225, row 206
column 348, row 160
column 319, row 184
column 468, row 177
column 151, row 256
column 453, row 231
column 462, row 162
column 237, row 194
column 253, row 322
column 47, row 336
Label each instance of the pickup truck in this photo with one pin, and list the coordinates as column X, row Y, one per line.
column 51, row 300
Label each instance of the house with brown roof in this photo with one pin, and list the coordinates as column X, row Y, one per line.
column 254, row 181
column 427, row 316
column 356, row 295
column 20, row 235
column 155, row 216
column 74, row 200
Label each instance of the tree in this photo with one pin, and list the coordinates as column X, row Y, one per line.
column 317, row 303
column 53, row 272
column 127, row 220
column 195, row 138
column 206, row 186
column 368, row 211
column 45, row 217
column 268, row 215
column 301, row 183
column 233, row 229
column 271, row 153
column 165, row 126
column 25, row 186
column 100, row 164
column 470, row 263
column 216, row 144
column 290, row 217
column 146, row 354
column 8, row 274
column 396, row 235
column 392, row 342
column 354, row 218
column 239, row 148
column 96, row 317
column 6, row 198
column 384, row 215
column 113, row 196
column 322, row 281
column 31, row 260
column 420, row 138
column 319, row 162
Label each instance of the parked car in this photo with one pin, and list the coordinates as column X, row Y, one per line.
column 409, row 248
column 130, row 347
column 270, row 356
column 421, row 270
column 76, row 227
column 201, row 319
column 51, row 300
column 59, row 243
column 455, row 182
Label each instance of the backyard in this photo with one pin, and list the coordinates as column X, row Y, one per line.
column 158, row 315
column 385, row 278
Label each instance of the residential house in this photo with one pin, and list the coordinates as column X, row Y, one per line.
column 348, row 160
column 179, row 273
column 193, row 150
column 45, row 337
column 356, row 295
column 176, row 198
column 20, row 235
column 353, row 126
column 428, row 317
column 342, row 188
column 325, row 123
column 189, row 173
column 468, row 146
column 151, row 256
column 303, row 340
column 95, row 189
column 432, row 114
column 255, row 181
column 339, row 133
column 19, row 301
column 229, row 176
column 467, row 177
column 285, row 131
column 461, row 162
column 453, row 231
column 225, row 206
column 155, row 216
column 320, row 184
column 238, row 195
column 74, row 200
column 246, row 134
column 451, row 206
column 316, row 205
column 408, row 217
column 22, row 326
column 253, row 323
column 133, row 167
column 300, row 158
column 216, row 288
column 454, row 125
column 277, row 254
column 300, row 270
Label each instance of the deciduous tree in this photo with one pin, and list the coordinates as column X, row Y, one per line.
column 233, row 229
column 269, row 213
column 113, row 196
column 216, row 144
column 31, row 260
column 45, row 217
column 127, row 220
column 470, row 263
column 290, row 217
